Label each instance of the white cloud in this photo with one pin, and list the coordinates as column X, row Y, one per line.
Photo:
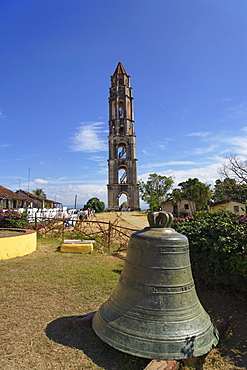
column 238, row 111
column 199, row 134
column 231, row 142
column 171, row 163
column 200, row 151
column 162, row 144
column 226, row 100
column 238, row 144
column 98, row 158
column 234, row 143
column 41, row 181
column 207, row 174
column 66, row 194
column 89, row 138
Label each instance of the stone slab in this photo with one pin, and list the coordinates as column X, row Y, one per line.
column 74, row 241
column 70, row 241
column 77, row 248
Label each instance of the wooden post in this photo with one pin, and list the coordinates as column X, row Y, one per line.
column 109, row 236
column 63, row 227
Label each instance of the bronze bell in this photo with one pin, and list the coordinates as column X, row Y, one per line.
column 154, row 311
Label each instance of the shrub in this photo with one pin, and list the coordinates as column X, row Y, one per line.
column 13, row 219
column 96, row 204
column 218, row 248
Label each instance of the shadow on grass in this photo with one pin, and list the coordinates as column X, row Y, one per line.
column 84, row 339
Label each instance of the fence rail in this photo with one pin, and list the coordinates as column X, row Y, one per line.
column 107, row 234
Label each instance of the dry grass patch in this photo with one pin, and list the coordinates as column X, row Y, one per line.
column 38, row 295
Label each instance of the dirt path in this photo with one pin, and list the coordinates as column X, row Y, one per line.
column 135, row 219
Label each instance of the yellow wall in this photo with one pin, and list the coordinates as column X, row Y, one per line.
column 229, row 206
column 17, row 246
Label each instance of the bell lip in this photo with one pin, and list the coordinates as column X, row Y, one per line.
column 156, row 355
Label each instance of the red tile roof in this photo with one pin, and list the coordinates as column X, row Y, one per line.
column 33, row 196
column 8, row 194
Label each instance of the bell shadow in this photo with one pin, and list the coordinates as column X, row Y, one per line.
column 83, row 338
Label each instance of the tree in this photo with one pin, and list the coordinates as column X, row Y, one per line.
column 229, row 189
column 40, row 193
column 124, row 205
column 155, row 189
column 196, row 191
column 96, row 204
column 236, row 168
column 175, row 197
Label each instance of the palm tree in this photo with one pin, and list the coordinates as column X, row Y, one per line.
column 39, row 192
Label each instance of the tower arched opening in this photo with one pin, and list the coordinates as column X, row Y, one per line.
column 123, row 201
column 122, row 174
column 122, row 149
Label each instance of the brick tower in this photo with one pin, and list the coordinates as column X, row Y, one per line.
column 122, row 162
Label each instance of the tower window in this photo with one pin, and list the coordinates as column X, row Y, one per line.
column 121, row 110
column 113, row 112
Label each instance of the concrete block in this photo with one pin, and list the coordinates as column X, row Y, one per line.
column 77, row 247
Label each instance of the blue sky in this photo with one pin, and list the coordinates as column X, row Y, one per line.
column 187, row 62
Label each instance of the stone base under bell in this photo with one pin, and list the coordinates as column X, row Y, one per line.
column 162, row 365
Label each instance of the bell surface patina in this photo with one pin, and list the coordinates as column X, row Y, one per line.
column 154, row 311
